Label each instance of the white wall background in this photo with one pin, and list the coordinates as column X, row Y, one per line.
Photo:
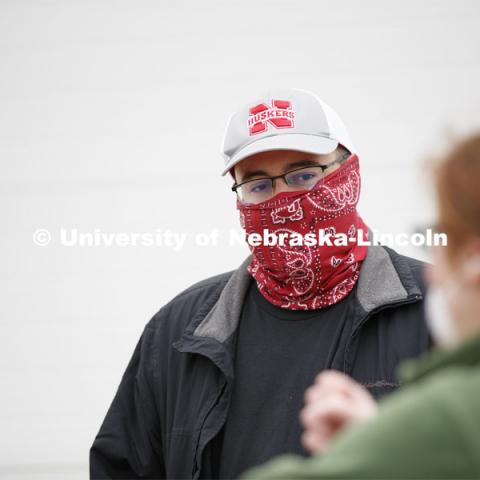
column 111, row 118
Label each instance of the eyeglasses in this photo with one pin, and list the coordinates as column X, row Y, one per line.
column 259, row 190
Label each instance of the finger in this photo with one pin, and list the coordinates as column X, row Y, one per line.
column 333, row 377
column 313, row 443
column 326, row 383
column 322, row 391
column 333, row 410
column 340, row 382
column 314, row 393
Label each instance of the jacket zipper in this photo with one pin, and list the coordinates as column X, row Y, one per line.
column 197, row 466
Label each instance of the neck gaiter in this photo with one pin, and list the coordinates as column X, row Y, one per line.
column 309, row 277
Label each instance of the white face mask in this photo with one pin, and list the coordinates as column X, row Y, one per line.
column 440, row 299
column 439, row 318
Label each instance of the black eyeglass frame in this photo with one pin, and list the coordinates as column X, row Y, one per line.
column 340, row 160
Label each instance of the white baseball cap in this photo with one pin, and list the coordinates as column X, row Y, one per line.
column 290, row 119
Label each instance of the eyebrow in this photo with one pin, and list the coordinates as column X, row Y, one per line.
column 261, row 173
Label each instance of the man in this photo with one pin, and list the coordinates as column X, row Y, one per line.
column 217, row 380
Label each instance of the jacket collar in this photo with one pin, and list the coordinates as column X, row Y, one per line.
column 385, row 278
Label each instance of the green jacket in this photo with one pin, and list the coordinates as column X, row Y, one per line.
column 430, row 428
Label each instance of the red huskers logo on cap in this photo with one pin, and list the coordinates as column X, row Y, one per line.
column 280, row 115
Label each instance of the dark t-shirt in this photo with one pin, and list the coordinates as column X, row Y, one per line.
column 279, row 352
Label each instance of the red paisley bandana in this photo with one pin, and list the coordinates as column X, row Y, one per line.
column 308, row 277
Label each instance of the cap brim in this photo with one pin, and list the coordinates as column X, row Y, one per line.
column 294, row 141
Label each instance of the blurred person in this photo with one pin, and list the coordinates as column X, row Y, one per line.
column 217, row 380
column 431, row 427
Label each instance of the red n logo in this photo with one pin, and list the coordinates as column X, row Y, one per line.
column 280, row 115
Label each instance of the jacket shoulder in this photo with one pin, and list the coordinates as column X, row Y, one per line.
column 197, row 299
column 409, row 267
column 210, row 283
column 417, row 266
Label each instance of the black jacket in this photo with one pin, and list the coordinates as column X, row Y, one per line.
column 174, row 396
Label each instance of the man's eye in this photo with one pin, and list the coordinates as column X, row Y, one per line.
column 303, row 177
column 306, row 176
column 258, row 187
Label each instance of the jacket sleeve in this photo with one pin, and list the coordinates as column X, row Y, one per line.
column 418, row 433
column 129, row 443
